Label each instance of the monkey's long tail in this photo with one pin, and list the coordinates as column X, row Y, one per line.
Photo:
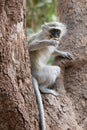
column 40, row 104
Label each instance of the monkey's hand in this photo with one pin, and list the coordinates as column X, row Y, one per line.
column 67, row 55
column 63, row 54
column 54, row 42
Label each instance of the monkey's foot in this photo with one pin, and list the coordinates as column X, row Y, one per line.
column 48, row 91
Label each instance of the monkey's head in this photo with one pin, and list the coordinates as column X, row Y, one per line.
column 54, row 30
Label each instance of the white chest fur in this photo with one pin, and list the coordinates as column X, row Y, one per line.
column 45, row 54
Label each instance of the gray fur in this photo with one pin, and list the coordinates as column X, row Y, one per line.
column 41, row 47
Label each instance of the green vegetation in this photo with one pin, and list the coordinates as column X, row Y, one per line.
column 38, row 12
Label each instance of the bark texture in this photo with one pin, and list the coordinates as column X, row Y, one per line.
column 17, row 102
column 68, row 111
column 18, row 107
column 73, row 80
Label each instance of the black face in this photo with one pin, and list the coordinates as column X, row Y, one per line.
column 55, row 33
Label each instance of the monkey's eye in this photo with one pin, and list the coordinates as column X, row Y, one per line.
column 55, row 32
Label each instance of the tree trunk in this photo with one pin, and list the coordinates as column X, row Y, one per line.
column 69, row 110
column 17, row 101
column 74, row 76
column 18, row 107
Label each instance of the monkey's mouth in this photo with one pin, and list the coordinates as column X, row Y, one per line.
column 55, row 38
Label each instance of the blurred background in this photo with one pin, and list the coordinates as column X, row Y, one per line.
column 38, row 12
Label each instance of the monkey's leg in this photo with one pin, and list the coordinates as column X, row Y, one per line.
column 47, row 77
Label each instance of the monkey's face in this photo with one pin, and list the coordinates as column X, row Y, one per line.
column 55, row 30
column 55, row 33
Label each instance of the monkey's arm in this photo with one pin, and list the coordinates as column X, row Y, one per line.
column 63, row 54
column 36, row 45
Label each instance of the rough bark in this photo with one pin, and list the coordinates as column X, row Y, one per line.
column 74, row 73
column 18, row 107
column 17, row 102
column 69, row 110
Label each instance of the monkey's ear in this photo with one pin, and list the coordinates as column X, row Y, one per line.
column 45, row 26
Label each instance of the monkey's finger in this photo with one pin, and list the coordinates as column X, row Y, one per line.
column 55, row 93
column 69, row 56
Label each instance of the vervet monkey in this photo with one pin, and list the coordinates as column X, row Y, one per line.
column 41, row 46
